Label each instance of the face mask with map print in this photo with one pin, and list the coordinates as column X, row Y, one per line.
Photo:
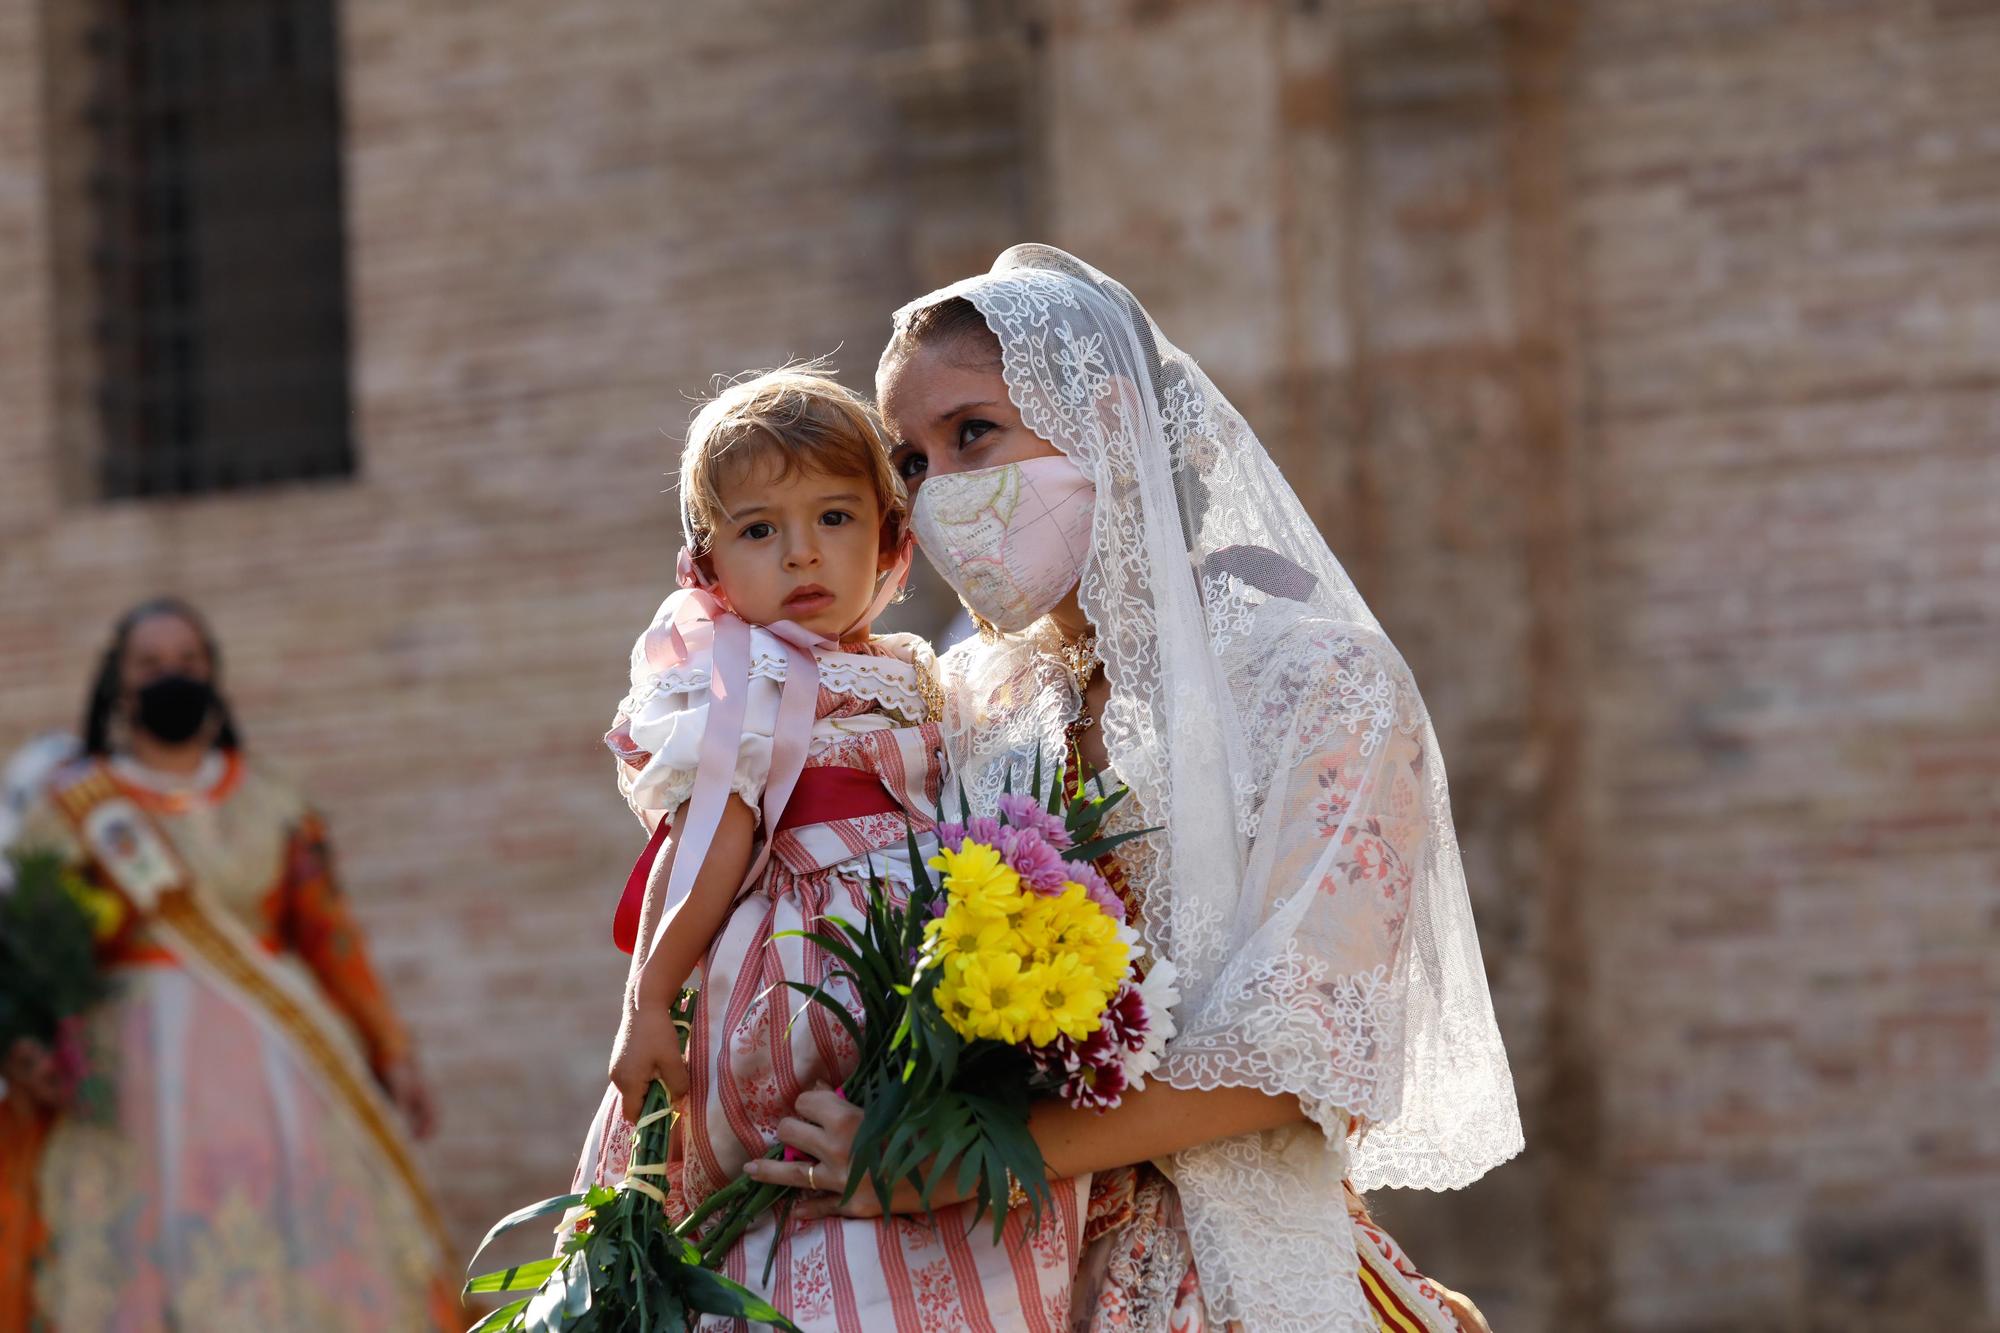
column 1010, row 540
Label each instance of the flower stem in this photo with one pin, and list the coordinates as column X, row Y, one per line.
column 740, row 1221
column 735, row 1189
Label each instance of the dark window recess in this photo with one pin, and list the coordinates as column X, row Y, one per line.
column 218, row 251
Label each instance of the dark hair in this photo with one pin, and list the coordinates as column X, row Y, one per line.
column 103, row 699
column 944, row 323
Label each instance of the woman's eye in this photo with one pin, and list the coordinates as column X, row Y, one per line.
column 756, row 532
column 912, row 465
column 971, row 431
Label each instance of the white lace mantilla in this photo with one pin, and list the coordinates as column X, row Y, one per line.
column 1307, row 882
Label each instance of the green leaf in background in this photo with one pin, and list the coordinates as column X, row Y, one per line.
column 500, row 1318
column 521, row 1277
column 48, row 950
column 712, row 1293
column 560, row 1203
column 1090, row 851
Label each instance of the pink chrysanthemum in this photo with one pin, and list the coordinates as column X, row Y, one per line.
column 1100, row 892
column 1023, row 812
column 1039, row 865
column 981, row 829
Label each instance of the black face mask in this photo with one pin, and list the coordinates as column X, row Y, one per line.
column 173, row 708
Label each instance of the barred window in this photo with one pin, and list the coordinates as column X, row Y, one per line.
column 217, row 251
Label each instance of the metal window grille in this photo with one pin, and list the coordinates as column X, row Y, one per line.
column 218, row 252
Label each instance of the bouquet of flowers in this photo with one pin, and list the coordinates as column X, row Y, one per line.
column 1013, row 974
column 52, row 924
column 1010, row 975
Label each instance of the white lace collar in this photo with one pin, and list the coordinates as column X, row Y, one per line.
column 204, row 777
column 892, row 682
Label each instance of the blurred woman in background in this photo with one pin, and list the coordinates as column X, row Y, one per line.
column 248, row 1169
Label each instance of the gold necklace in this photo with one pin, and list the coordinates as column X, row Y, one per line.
column 931, row 688
column 1079, row 658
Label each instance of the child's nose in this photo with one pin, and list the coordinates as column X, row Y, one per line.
column 802, row 554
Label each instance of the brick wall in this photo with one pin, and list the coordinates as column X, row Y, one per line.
column 563, row 220
column 1788, row 224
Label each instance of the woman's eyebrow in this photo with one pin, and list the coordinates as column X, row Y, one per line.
column 961, row 408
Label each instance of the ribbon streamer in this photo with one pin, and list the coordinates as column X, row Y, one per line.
column 696, row 617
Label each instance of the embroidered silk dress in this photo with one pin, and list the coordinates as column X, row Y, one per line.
column 229, row 1185
column 749, row 1060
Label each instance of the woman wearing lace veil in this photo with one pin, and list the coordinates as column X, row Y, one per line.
column 1158, row 605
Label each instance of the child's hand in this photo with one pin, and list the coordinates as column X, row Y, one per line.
column 647, row 1048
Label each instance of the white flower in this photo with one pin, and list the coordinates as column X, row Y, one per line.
column 1161, row 993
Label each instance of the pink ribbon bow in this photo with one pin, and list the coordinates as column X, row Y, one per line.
column 696, row 618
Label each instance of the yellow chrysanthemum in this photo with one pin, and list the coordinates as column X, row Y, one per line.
column 1067, row 1000
column 1085, row 932
column 991, row 997
column 1017, row 965
column 1038, row 928
column 977, row 879
column 950, row 998
column 962, row 934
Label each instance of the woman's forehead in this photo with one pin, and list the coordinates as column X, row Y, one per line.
column 163, row 635
column 927, row 387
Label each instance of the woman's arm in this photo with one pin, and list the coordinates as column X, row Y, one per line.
column 314, row 920
column 1155, row 1122
column 647, row 1048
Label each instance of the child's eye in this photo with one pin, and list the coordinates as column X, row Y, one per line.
column 833, row 518
column 756, row 532
column 972, row 430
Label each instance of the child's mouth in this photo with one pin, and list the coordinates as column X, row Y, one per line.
column 808, row 600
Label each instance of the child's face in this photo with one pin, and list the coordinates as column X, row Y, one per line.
column 807, row 547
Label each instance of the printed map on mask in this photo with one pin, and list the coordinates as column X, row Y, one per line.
column 1010, row 540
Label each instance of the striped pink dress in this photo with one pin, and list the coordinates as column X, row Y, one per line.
column 749, row 1060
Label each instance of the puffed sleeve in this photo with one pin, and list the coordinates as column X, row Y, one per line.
column 318, row 925
column 657, row 731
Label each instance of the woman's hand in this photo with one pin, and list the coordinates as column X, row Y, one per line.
column 648, row 1048
column 823, row 1127
column 1157, row 1121
column 407, row 1088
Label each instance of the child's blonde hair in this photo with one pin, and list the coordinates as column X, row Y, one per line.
column 801, row 417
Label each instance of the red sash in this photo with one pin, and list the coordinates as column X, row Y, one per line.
column 824, row 794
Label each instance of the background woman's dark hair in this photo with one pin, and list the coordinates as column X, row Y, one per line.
column 103, row 702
